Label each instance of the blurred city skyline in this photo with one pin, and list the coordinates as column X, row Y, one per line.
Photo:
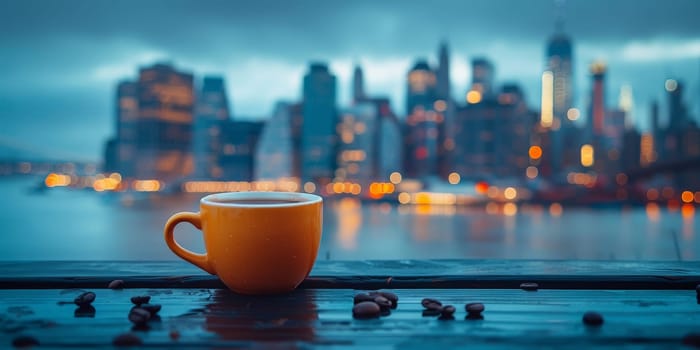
column 60, row 63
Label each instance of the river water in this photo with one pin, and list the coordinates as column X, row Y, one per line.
column 64, row 224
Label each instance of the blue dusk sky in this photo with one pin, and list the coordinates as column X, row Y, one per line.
column 60, row 60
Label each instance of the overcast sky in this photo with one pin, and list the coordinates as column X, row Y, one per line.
column 60, row 60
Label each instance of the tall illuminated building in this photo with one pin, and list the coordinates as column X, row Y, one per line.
column 164, row 125
column 492, row 136
column 318, row 135
column 357, row 148
column 211, row 109
column 482, row 76
column 559, row 62
column 421, row 89
column 596, row 120
column 154, row 125
column 423, row 123
column 557, row 100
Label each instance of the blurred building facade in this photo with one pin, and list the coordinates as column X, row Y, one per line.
column 155, row 122
column 318, row 133
column 211, row 112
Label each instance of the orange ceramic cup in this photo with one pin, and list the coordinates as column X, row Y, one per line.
column 256, row 242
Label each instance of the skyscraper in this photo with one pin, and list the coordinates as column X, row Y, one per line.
column 444, row 105
column 421, row 90
column 211, row 110
column 239, row 143
column 319, row 138
column 559, row 62
column 121, row 149
column 423, row 123
column 275, row 153
column 154, row 125
column 164, row 125
column 358, row 85
column 443, row 73
column 482, row 76
column 596, row 120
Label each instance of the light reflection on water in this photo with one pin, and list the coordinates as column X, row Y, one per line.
column 61, row 224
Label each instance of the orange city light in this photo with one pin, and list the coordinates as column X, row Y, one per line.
column 535, row 152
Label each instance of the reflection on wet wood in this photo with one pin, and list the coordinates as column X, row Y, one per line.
column 317, row 317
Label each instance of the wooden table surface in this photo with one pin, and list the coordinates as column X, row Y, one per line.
column 645, row 305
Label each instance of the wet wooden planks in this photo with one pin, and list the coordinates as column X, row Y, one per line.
column 448, row 274
column 214, row 318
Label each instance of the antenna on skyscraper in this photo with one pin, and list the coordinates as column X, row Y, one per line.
column 559, row 15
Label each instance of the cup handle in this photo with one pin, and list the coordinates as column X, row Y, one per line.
column 199, row 260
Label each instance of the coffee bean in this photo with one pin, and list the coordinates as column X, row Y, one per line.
column 127, row 339
column 84, row 299
column 25, row 341
column 383, row 302
column 393, row 298
column 692, row 339
column 448, row 310
column 592, row 318
column 116, row 284
column 697, row 289
column 360, row 297
column 474, row 308
column 432, row 312
column 529, row 286
column 366, row 309
column 446, row 318
column 139, row 316
column 152, row 308
column 85, row 311
column 140, row 299
column 429, row 301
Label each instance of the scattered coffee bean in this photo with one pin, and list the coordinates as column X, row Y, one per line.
column 385, row 313
column 360, row 297
column 383, row 302
column 366, row 309
column 24, row 341
column 116, row 284
column 592, row 318
column 174, row 335
column 697, row 289
column 84, row 299
column 432, row 312
column 426, row 302
column 152, row 308
column 85, row 311
column 139, row 316
column 529, row 286
column 692, row 339
column 448, row 310
column 140, row 299
column 393, row 298
column 127, row 339
column 474, row 308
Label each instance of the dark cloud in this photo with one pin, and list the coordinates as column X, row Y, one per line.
column 75, row 50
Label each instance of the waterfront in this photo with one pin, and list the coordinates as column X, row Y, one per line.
column 64, row 224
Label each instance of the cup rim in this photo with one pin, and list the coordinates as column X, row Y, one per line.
column 299, row 199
